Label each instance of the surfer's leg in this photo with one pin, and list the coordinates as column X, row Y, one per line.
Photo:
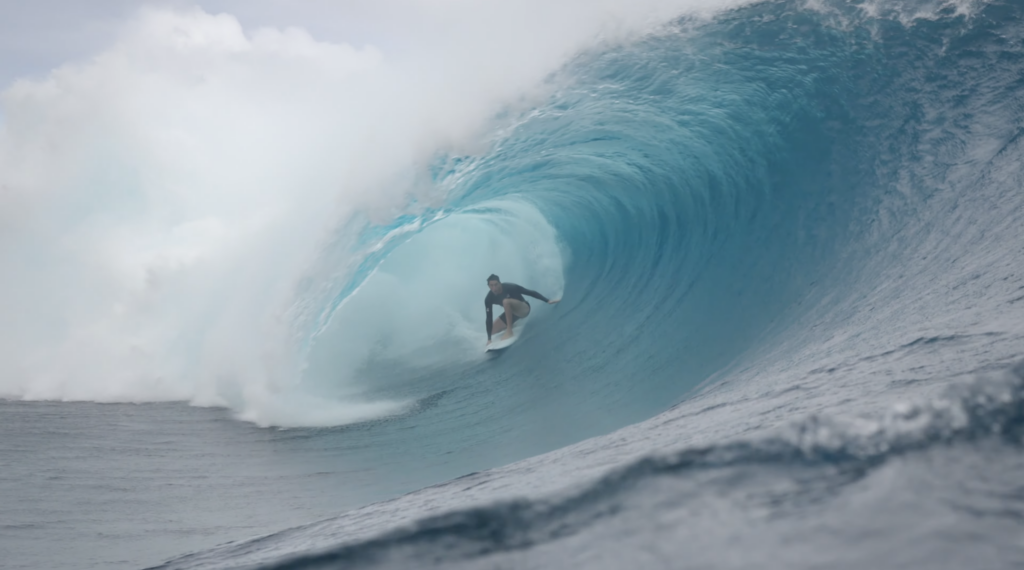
column 513, row 309
column 498, row 326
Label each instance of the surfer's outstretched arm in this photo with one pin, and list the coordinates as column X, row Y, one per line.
column 534, row 294
column 537, row 295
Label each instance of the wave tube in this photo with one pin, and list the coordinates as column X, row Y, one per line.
column 718, row 197
column 684, row 204
column 421, row 307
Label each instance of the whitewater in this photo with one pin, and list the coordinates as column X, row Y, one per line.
column 244, row 269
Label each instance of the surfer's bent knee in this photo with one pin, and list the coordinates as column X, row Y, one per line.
column 516, row 307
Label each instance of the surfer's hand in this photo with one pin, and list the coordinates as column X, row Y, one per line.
column 553, row 301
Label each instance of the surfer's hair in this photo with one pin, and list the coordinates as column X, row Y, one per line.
column 493, row 277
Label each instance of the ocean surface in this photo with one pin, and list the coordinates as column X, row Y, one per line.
column 789, row 240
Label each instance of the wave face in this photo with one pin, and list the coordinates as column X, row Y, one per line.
column 807, row 212
column 690, row 197
column 707, row 196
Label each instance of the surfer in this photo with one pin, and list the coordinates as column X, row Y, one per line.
column 510, row 297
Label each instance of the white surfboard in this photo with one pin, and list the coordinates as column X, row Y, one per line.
column 497, row 345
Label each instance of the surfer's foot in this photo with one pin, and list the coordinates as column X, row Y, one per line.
column 506, row 336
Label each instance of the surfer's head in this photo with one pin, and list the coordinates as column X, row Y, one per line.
column 494, row 283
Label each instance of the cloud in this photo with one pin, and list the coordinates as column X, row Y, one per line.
column 150, row 181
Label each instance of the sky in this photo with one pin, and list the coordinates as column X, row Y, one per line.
column 38, row 36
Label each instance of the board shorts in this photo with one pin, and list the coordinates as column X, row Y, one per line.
column 528, row 310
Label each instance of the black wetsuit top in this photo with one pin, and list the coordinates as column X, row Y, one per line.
column 508, row 290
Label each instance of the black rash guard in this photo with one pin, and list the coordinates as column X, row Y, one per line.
column 508, row 290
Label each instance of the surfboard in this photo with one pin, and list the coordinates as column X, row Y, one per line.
column 499, row 345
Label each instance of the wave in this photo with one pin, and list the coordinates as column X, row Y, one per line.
column 717, row 194
column 768, row 225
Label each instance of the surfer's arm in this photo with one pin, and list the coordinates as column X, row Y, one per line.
column 489, row 320
column 534, row 294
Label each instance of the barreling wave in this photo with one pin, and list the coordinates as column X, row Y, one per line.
column 716, row 191
column 766, row 225
column 807, row 212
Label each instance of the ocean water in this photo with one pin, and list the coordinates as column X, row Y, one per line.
column 789, row 240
